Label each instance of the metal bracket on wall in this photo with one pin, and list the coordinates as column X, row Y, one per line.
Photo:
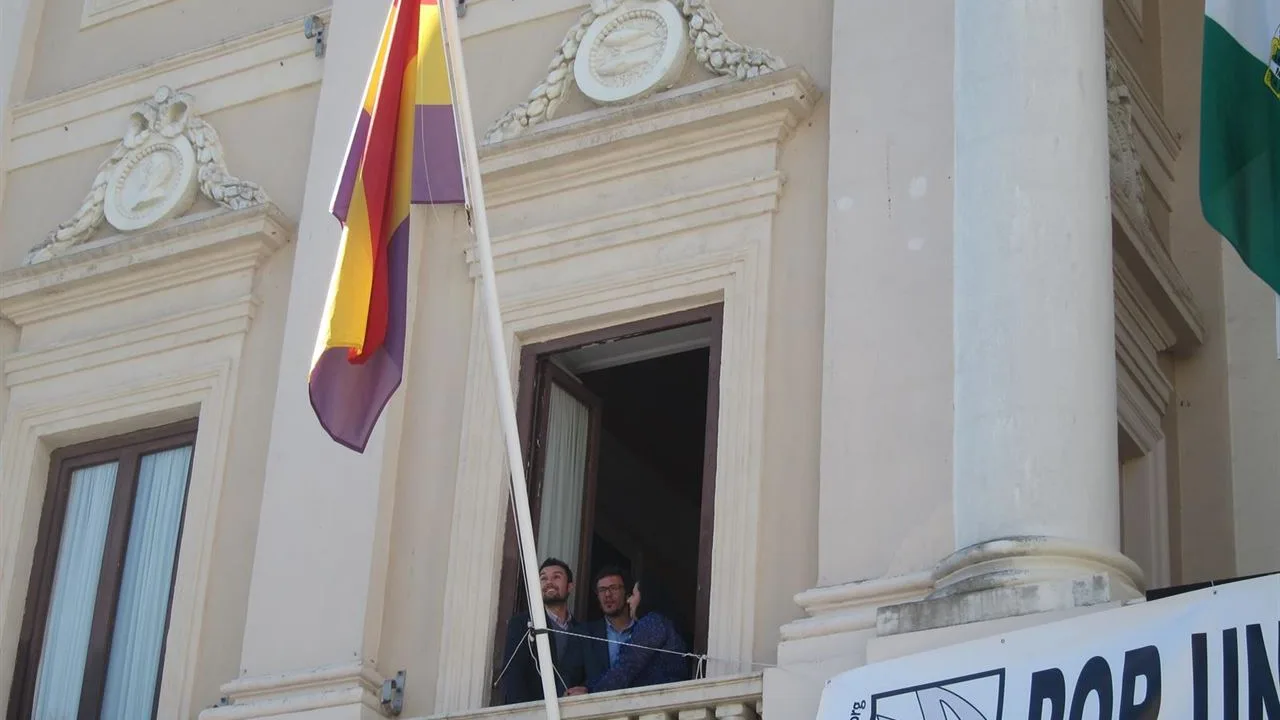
column 313, row 29
column 393, row 695
column 462, row 8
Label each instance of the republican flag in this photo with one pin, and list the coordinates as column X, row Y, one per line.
column 403, row 151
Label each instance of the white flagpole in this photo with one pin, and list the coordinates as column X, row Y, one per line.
column 498, row 352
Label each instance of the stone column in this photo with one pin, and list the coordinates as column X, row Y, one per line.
column 1035, row 477
column 314, row 616
column 884, row 511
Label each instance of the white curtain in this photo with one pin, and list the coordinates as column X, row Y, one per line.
column 138, row 637
column 75, row 590
column 563, row 477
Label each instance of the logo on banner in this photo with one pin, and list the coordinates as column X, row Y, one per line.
column 973, row 697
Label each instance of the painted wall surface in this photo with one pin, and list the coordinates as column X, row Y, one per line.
column 1253, row 364
column 67, row 55
column 322, row 557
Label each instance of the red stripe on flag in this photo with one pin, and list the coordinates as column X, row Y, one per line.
column 379, row 168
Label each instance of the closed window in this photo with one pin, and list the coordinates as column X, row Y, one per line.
column 92, row 643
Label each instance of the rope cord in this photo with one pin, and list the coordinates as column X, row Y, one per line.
column 702, row 659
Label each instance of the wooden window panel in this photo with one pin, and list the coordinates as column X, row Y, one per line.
column 126, row 450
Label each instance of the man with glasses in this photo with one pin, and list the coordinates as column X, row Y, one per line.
column 612, row 585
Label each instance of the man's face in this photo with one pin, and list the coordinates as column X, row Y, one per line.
column 555, row 584
column 612, row 594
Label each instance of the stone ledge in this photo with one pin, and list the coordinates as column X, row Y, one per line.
column 738, row 696
column 120, row 267
column 706, row 119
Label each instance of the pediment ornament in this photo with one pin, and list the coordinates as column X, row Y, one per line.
column 167, row 155
column 623, row 50
column 1126, row 163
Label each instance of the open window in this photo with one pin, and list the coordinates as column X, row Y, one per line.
column 619, row 434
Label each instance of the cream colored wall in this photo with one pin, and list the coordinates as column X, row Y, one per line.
column 800, row 32
column 1199, row 423
column 434, row 400
column 66, row 56
column 237, row 522
column 1254, row 392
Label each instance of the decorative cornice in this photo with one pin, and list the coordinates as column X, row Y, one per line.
column 223, row 75
column 118, row 268
column 712, row 206
column 671, row 128
column 97, row 12
column 1143, row 391
column 1158, row 276
column 184, row 329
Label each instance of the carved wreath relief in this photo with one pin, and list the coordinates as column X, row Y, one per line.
column 623, row 50
column 166, row 156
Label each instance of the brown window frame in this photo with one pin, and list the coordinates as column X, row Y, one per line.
column 125, row 450
column 533, row 358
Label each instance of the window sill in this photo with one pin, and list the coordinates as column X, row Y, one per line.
column 737, row 696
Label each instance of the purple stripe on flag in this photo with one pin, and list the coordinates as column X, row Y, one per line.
column 348, row 398
column 437, row 165
column 347, row 183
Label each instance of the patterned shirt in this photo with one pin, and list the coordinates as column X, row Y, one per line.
column 656, row 657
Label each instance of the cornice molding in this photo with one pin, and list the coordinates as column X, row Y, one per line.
column 672, row 127
column 1158, row 276
column 712, row 206
column 114, row 269
column 223, row 75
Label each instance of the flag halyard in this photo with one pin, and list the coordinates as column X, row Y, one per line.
column 393, row 161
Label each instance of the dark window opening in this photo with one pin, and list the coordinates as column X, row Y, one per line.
column 619, row 430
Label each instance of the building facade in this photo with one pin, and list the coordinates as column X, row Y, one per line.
column 868, row 327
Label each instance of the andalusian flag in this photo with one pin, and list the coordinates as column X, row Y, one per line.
column 1240, row 129
column 403, row 151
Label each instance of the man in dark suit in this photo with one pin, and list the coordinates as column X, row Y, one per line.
column 612, row 586
column 521, row 681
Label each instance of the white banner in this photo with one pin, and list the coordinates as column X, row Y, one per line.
column 1212, row 653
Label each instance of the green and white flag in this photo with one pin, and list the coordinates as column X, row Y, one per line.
column 1240, row 129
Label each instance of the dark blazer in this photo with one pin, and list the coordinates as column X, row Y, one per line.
column 596, row 652
column 640, row 663
column 521, row 682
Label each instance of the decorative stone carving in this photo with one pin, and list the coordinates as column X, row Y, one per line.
column 636, row 49
column 166, row 155
column 1126, row 165
column 645, row 67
